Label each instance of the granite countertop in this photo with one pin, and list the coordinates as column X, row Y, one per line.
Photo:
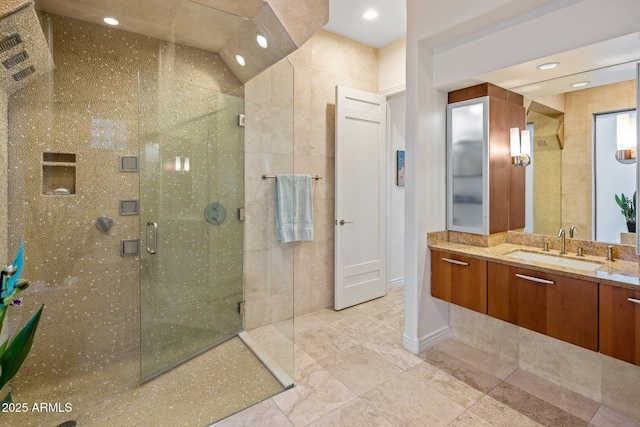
column 616, row 273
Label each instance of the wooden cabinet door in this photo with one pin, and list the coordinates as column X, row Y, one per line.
column 459, row 280
column 620, row 323
column 557, row 306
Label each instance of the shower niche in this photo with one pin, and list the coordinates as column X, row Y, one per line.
column 58, row 174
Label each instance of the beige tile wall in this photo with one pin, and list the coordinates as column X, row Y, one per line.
column 601, row 378
column 323, row 62
column 577, row 153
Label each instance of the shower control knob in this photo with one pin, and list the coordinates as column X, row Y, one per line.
column 104, row 223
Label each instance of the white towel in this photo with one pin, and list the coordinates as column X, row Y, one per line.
column 294, row 208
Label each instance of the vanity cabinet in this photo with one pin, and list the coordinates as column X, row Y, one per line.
column 620, row 323
column 557, row 306
column 485, row 193
column 459, row 280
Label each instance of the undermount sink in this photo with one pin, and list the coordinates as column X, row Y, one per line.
column 555, row 260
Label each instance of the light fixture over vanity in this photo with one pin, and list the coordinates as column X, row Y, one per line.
column 520, row 147
column 625, row 138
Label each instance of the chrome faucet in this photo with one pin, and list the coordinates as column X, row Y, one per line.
column 572, row 229
column 561, row 236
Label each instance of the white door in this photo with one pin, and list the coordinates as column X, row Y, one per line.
column 361, row 130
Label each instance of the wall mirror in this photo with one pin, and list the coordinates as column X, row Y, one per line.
column 573, row 179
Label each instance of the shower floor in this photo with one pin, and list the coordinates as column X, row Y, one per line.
column 207, row 388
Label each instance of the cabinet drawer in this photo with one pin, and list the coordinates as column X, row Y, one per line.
column 620, row 323
column 558, row 306
column 459, row 280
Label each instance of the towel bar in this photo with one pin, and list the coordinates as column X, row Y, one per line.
column 273, row 176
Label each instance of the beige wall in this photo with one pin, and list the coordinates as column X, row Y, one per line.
column 577, row 153
column 392, row 67
column 594, row 375
column 268, row 264
column 323, row 62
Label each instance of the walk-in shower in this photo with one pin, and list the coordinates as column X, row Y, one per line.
column 126, row 179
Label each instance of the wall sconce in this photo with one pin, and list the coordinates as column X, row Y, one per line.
column 520, row 147
column 625, row 138
column 182, row 165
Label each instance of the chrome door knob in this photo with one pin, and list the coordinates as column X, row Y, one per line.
column 343, row 222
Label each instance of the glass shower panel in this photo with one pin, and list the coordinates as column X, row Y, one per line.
column 191, row 187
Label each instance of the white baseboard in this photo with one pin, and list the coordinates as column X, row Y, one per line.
column 396, row 283
column 426, row 342
column 434, row 338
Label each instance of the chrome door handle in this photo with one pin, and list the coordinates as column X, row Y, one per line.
column 155, row 237
column 535, row 279
column 455, row 261
column 636, row 301
column 343, row 222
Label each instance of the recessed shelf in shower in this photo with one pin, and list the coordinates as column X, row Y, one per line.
column 58, row 173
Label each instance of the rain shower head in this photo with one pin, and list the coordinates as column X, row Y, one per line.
column 15, row 60
column 24, row 52
column 10, row 42
column 20, row 75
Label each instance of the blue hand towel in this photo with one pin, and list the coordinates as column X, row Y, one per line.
column 294, row 208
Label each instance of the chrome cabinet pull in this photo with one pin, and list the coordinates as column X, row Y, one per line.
column 155, row 237
column 535, row 279
column 633, row 300
column 455, row 261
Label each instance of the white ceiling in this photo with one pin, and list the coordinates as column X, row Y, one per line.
column 603, row 63
column 345, row 19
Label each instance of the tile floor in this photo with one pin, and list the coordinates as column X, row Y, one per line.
column 351, row 370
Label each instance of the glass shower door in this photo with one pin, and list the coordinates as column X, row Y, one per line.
column 191, row 187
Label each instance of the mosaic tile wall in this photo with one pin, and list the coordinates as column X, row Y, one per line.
column 191, row 287
column 577, row 153
column 88, row 107
column 547, row 177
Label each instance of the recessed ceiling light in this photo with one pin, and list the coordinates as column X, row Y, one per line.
column 580, row 84
column 370, row 14
column 241, row 60
column 111, row 21
column 262, row 41
column 548, row 66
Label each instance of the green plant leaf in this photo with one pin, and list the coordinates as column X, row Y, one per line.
column 3, row 347
column 17, row 351
column 7, row 399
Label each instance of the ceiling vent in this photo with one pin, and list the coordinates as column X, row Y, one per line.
column 9, row 42
column 15, row 60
